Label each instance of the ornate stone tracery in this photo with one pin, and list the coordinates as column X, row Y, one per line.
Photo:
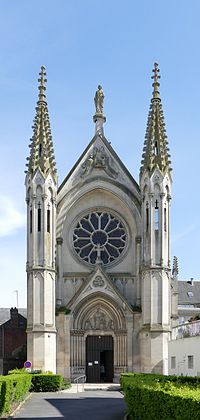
column 99, row 237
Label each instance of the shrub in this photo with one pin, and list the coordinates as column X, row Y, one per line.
column 17, row 371
column 13, row 388
column 62, row 310
column 46, row 382
column 151, row 396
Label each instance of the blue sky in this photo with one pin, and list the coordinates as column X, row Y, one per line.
column 82, row 44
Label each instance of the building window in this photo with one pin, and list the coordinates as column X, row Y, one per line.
column 147, row 219
column 173, row 362
column 40, row 150
column 190, row 362
column 165, row 220
column 31, row 221
column 156, row 148
column 48, row 221
column 99, row 236
column 156, row 216
column 39, row 220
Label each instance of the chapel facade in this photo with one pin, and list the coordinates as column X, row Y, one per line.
column 101, row 298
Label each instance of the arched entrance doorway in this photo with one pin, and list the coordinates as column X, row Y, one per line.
column 98, row 316
column 99, row 358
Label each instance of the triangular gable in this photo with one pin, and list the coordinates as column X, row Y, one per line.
column 98, row 281
column 99, row 154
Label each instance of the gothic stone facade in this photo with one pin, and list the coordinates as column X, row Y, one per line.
column 110, row 277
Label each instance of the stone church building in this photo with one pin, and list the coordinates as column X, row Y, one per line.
column 101, row 298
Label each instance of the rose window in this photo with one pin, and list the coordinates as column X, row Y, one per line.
column 99, row 236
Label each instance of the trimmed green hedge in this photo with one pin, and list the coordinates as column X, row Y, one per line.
column 46, row 383
column 151, row 396
column 13, row 388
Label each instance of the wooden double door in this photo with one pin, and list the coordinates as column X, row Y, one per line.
column 99, row 358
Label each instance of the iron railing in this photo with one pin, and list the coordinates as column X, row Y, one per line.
column 189, row 329
column 82, row 380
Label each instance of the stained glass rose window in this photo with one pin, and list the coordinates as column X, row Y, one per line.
column 99, row 236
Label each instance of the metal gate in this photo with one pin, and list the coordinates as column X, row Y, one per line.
column 99, row 358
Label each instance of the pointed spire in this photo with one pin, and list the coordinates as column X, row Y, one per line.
column 41, row 146
column 156, row 150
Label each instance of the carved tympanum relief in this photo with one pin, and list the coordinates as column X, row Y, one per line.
column 99, row 321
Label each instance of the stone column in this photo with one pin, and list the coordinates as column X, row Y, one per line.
column 59, row 272
column 138, row 261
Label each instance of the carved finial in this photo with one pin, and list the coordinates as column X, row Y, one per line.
column 42, row 80
column 175, row 268
column 156, row 84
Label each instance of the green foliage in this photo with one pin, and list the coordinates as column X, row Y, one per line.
column 63, row 310
column 136, row 308
column 151, row 396
column 46, row 383
column 16, row 385
column 13, row 388
column 66, row 384
column 17, row 371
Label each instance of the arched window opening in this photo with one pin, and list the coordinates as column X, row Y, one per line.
column 48, row 220
column 147, row 218
column 165, row 219
column 31, row 221
column 39, row 218
column 40, row 150
column 156, row 216
column 156, row 148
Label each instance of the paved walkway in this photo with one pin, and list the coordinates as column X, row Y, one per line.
column 89, row 405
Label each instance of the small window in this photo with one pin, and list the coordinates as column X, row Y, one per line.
column 147, row 219
column 190, row 294
column 156, row 148
column 31, row 221
column 48, row 221
column 173, row 362
column 40, row 150
column 165, row 219
column 39, row 220
column 190, row 362
column 156, row 216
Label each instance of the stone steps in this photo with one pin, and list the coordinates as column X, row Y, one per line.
column 82, row 387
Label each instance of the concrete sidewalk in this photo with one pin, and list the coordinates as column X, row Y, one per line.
column 91, row 405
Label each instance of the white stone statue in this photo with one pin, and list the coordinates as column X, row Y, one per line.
column 98, row 100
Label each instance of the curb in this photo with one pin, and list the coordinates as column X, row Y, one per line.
column 10, row 417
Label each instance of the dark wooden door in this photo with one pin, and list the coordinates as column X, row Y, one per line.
column 99, row 352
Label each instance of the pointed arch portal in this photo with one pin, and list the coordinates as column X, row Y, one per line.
column 98, row 339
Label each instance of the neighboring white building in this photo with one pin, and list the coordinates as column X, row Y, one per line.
column 110, row 280
column 188, row 300
column 184, row 354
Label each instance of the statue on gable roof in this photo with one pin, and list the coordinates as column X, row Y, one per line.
column 98, row 100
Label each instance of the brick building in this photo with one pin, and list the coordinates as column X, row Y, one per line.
column 12, row 342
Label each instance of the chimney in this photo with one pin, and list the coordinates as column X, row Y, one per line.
column 14, row 317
